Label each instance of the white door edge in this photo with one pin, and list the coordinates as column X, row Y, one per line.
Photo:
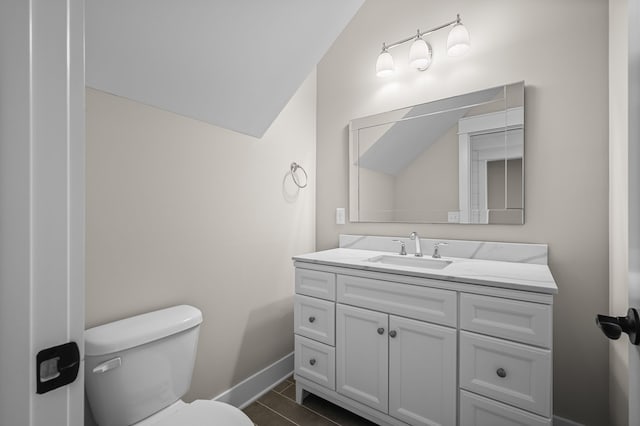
column 634, row 201
column 41, row 203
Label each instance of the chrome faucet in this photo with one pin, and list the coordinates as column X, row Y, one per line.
column 436, row 246
column 403, row 249
column 414, row 236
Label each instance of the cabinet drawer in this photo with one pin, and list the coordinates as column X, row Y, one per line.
column 316, row 283
column 316, row 362
column 314, row 318
column 510, row 319
column 478, row 411
column 423, row 303
column 510, row 372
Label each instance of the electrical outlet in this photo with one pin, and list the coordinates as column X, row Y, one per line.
column 340, row 216
column 454, row 217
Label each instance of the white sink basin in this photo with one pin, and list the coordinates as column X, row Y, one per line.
column 415, row 262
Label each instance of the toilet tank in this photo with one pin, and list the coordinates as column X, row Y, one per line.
column 137, row 366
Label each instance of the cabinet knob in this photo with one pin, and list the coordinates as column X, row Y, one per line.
column 381, row 330
column 312, row 361
column 312, row 319
column 392, row 333
column 501, row 372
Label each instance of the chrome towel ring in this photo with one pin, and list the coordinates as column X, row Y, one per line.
column 294, row 169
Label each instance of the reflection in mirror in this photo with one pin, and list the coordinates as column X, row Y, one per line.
column 455, row 160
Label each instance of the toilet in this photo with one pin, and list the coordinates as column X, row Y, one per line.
column 138, row 368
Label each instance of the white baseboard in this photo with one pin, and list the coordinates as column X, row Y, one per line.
column 560, row 421
column 252, row 388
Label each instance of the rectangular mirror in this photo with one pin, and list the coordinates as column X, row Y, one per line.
column 455, row 160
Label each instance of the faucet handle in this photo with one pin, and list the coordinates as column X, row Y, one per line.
column 403, row 249
column 436, row 246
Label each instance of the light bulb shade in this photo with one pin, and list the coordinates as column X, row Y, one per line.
column 384, row 64
column 458, row 40
column 420, row 54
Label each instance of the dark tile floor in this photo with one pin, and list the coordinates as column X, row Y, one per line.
column 278, row 408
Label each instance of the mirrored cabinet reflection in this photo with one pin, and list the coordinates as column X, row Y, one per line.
column 455, row 160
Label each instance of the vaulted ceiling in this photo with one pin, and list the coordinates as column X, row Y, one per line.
column 232, row 63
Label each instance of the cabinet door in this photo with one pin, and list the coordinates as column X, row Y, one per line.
column 362, row 358
column 422, row 372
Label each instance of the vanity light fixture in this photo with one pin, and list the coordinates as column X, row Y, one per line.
column 420, row 53
column 384, row 64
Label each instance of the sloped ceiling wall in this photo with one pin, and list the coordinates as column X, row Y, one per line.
column 232, row 63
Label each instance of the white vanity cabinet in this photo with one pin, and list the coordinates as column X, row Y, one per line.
column 505, row 355
column 314, row 326
column 389, row 360
column 400, row 366
column 406, row 350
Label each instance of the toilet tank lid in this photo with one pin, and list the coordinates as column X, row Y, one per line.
column 135, row 331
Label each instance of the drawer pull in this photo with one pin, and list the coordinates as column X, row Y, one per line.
column 381, row 330
column 312, row 319
column 392, row 333
column 501, row 373
column 312, row 361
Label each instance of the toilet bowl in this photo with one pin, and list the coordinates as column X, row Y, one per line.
column 198, row 413
column 138, row 368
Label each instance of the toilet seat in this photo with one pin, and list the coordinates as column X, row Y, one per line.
column 199, row 413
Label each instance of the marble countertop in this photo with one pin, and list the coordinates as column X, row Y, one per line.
column 512, row 275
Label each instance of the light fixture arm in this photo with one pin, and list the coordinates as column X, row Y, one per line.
column 386, row 47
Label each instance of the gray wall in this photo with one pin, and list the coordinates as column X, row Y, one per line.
column 180, row 211
column 376, row 200
column 559, row 48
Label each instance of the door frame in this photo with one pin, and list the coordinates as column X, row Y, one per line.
column 472, row 205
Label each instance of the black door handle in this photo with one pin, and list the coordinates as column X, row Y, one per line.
column 613, row 327
column 57, row 366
